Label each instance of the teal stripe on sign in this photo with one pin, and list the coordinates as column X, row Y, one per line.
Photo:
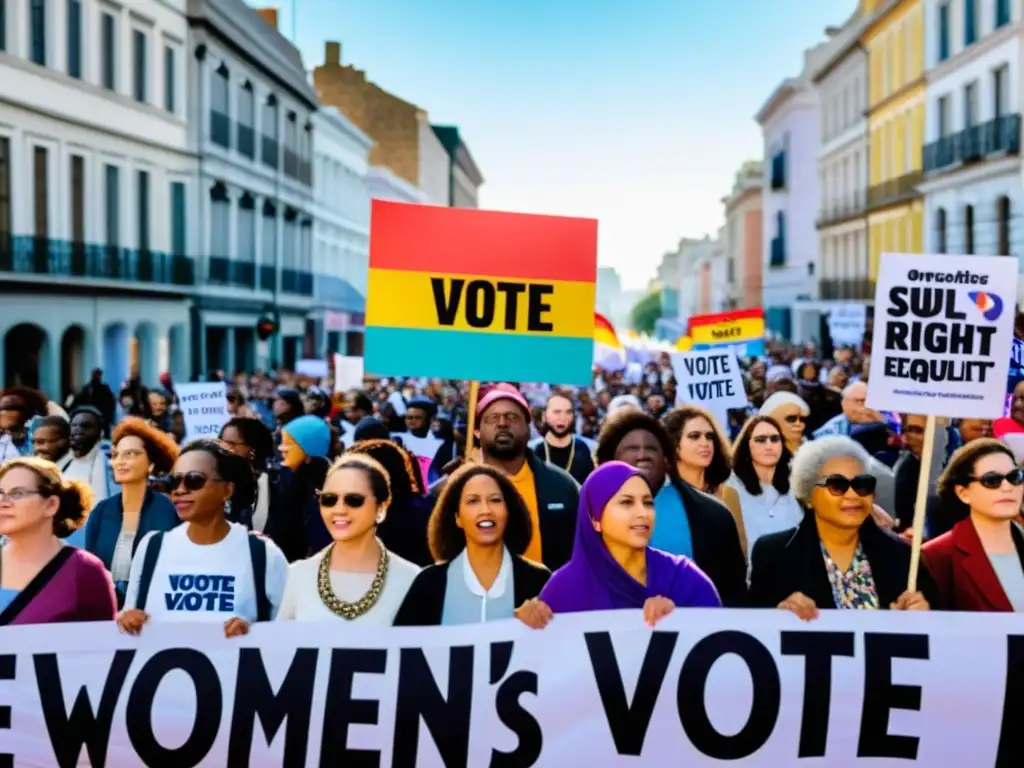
column 478, row 356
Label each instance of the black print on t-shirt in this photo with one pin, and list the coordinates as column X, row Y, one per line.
column 200, row 592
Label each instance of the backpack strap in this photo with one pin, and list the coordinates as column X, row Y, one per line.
column 258, row 553
column 148, row 567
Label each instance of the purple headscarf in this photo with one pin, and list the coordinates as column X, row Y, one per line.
column 593, row 581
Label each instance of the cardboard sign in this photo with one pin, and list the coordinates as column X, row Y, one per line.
column 204, row 406
column 943, row 333
column 480, row 295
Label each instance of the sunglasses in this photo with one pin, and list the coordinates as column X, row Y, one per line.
column 994, row 480
column 709, row 436
column 762, row 439
column 350, row 500
column 838, row 485
column 794, row 418
column 193, row 481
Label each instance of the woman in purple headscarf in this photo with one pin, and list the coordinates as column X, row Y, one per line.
column 612, row 565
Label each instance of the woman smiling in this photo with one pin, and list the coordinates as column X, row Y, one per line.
column 478, row 532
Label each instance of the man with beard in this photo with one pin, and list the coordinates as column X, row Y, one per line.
column 559, row 445
column 90, row 454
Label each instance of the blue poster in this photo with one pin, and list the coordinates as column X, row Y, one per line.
column 1016, row 374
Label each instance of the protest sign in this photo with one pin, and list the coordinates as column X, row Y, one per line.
column 708, row 687
column 348, row 373
column 204, row 406
column 314, row 369
column 846, row 324
column 942, row 338
column 742, row 329
column 480, row 295
column 710, row 378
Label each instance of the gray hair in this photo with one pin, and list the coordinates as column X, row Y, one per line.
column 805, row 471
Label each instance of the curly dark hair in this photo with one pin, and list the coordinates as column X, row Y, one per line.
column 257, row 436
column 625, row 420
column 232, row 468
column 76, row 497
column 960, row 470
column 160, row 447
column 675, row 424
column 743, row 462
column 447, row 540
column 34, row 400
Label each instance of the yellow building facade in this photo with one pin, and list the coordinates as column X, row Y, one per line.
column 894, row 42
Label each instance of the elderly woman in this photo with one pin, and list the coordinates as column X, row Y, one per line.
column 837, row 557
column 791, row 412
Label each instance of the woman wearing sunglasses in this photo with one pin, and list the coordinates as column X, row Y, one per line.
column 208, row 569
column 791, row 413
column 837, row 557
column 979, row 564
column 479, row 530
column 760, row 476
column 355, row 577
column 119, row 522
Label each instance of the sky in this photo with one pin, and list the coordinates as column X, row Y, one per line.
column 637, row 114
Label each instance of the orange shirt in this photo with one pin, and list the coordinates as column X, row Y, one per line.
column 524, row 482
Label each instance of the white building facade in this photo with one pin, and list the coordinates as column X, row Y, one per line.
column 341, row 231
column 789, row 123
column 974, row 191
column 253, row 132
column 96, row 228
column 384, row 184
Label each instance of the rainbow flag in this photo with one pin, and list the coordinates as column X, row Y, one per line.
column 609, row 353
column 742, row 329
column 459, row 293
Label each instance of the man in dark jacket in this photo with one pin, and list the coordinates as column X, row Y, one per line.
column 550, row 493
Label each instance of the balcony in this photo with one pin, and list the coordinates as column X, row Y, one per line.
column 778, row 252
column 894, row 191
column 778, row 171
column 231, row 272
column 297, row 281
column 246, row 141
column 1000, row 136
column 841, row 211
column 859, row 289
column 220, row 129
column 291, row 164
column 270, row 153
column 268, row 278
column 27, row 256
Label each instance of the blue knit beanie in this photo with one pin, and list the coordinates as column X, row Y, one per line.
column 311, row 434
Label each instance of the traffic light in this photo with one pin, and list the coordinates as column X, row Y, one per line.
column 265, row 327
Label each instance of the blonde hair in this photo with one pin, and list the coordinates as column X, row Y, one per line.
column 76, row 497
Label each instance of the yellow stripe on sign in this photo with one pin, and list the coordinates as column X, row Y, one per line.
column 747, row 329
column 402, row 299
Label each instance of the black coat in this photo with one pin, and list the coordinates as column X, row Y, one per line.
column 791, row 561
column 424, row 602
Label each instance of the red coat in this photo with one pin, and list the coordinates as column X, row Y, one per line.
column 961, row 569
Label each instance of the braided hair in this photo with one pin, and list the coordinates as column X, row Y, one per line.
column 232, row 468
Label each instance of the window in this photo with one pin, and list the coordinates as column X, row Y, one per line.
column 143, row 211
column 268, row 123
column 943, row 116
column 5, row 189
column 108, row 51
column 269, row 239
column 247, row 228
column 113, row 200
column 943, row 32
column 140, row 73
column 37, row 26
column 969, row 229
column 1003, row 222
column 170, row 79
column 75, row 38
column 970, row 105
column 246, row 121
column 3, row 25
column 220, row 122
column 77, row 199
column 1000, row 90
column 41, row 190
column 940, row 227
column 1002, row 13
column 220, row 222
column 971, row 22
column 179, row 243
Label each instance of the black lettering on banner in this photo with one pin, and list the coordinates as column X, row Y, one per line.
column 709, row 366
column 447, row 305
column 628, row 721
column 511, row 713
column 764, row 709
column 537, row 307
column 511, row 291
column 68, row 732
column 817, row 648
column 447, row 719
column 480, row 299
column 255, row 697
column 1011, row 734
column 8, row 670
column 209, row 708
column 881, row 695
column 341, row 710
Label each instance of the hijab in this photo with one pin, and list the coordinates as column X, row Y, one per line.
column 592, row 580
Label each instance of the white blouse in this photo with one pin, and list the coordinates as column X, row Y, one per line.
column 768, row 512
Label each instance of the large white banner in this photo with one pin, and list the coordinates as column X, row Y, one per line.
column 708, row 687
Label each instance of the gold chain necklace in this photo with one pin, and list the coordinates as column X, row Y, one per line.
column 572, row 454
column 354, row 610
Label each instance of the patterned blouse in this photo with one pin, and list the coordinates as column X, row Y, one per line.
column 854, row 589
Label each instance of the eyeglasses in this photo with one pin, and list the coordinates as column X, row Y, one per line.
column 513, row 418
column 193, row 481
column 762, row 439
column 17, row 494
column 838, row 485
column 795, row 418
column 350, row 500
column 994, row 480
column 128, row 455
